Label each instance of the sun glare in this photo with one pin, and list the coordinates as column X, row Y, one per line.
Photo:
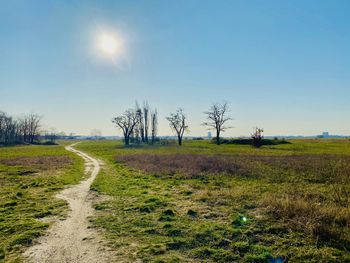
column 109, row 44
column 110, row 48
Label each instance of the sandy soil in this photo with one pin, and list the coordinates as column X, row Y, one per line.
column 72, row 240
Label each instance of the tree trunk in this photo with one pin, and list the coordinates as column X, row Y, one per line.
column 179, row 140
column 142, row 134
column 126, row 140
column 126, row 137
column 217, row 137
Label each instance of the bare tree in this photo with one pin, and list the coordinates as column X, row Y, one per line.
column 96, row 134
column 23, row 127
column 146, row 119
column 9, row 135
column 2, row 126
column 140, row 127
column 8, row 129
column 217, row 119
column 154, row 125
column 177, row 122
column 257, row 137
column 14, row 130
column 50, row 135
column 126, row 123
column 33, row 126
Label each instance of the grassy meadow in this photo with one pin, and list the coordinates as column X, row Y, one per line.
column 230, row 203
column 30, row 176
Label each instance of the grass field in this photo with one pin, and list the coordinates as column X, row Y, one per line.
column 228, row 203
column 29, row 177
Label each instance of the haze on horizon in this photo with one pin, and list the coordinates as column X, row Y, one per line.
column 283, row 66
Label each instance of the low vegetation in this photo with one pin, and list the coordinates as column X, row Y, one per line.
column 29, row 178
column 228, row 203
column 243, row 141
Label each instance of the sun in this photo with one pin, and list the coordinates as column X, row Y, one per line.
column 110, row 48
column 109, row 44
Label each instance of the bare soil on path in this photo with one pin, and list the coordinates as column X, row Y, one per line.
column 73, row 240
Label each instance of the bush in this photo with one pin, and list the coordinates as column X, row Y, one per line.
column 257, row 137
column 250, row 141
column 49, row 143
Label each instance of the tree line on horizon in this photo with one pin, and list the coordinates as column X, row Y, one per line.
column 135, row 123
column 25, row 129
column 138, row 124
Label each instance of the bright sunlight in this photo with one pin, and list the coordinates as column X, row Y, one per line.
column 109, row 44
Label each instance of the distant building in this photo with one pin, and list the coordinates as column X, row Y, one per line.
column 209, row 135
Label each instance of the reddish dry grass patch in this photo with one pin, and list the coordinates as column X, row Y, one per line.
column 189, row 164
column 316, row 168
column 40, row 162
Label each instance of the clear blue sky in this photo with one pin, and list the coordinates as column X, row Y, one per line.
column 283, row 65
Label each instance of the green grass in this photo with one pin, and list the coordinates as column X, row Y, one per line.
column 30, row 176
column 287, row 211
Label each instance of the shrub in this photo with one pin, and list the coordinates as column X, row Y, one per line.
column 257, row 137
column 242, row 141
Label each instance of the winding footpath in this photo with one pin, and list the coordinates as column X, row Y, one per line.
column 71, row 240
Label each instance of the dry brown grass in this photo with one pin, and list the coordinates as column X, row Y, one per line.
column 318, row 168
column 311, row 214
column 39, row 162
column 189, row 164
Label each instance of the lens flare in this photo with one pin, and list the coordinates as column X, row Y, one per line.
column 109, row 45
column 109, row 48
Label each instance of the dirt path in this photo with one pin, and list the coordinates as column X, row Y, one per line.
column 72, row 240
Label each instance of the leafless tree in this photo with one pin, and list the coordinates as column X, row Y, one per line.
column 257, row 137
column 50, row 134
column 2, row 126
column 33, row 126
column 126, row 123
column 154, row 125
column 140, row 127
column 23, row 126
column 7, row 129
column 14, row 130
column 217, row 119
column 96, row 134
column 177, row 122
column 146, row 120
